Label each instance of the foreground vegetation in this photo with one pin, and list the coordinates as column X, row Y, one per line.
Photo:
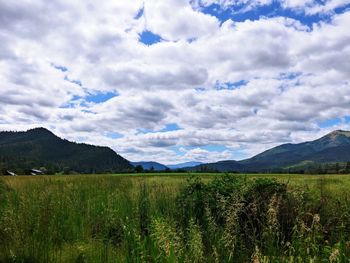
column 177, row 218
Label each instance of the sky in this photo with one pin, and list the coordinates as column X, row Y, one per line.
column 176, row 80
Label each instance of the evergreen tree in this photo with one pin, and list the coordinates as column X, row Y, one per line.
column 337, row 168
column 139, row 169
column 347, row 168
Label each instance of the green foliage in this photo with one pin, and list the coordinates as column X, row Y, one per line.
column 139, row 169
column 39, row 148
column 219, row 218
column 191, row 202
column 311, row 157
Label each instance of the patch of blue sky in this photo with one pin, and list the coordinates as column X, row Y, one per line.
column 289, row 79
column 144, row 131
column 289, row 75
column 59, row 67
column 178, row 150
column 210, row 148
column 199, row 89
column 171, row 127
column 240, row 13
column 214, row 148
column 236, row 154
column 168, row 127
column 75, row 100
column 100, row 97
column 97, row 98
column 190, row 40
column 149, row 38
column 334, row 122
column 68, row 105
column 139, row 13
column 88, row 111
column 342, row 9
column 229, row 85
column 330, row 123
column 74, row 81
column 114, row 135
column 240, row 155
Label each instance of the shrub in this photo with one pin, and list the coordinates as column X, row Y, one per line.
column 246, row 214
column 191, row 202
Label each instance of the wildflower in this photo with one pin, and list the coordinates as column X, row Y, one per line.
column 273, row 211
column 316, row 218
column 334, row 256
column 256, row 257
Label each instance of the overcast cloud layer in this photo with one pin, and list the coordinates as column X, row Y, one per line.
column 207, row 89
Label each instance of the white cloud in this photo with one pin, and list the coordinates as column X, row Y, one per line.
column 329, row 6
column 309, row 7
column 246, row 4
column 294, row 77
column 185, row 23
column 297, row 4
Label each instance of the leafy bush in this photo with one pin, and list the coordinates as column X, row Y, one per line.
column 261, row 216
column 245, row 214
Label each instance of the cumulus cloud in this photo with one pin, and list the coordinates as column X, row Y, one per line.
column 245, row 5
column 312, row 7
column 185, row 23
column 238, row 87
column 309, row 7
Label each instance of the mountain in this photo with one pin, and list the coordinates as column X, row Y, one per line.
column 221, row 166
column 36, row 148
column 161, row 167
column 148, row 166
column 183, row 165
column 332, row 148
column 39, row 148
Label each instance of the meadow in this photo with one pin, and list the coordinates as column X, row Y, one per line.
column 175, row 218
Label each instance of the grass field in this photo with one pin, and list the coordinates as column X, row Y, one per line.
column 175, row 218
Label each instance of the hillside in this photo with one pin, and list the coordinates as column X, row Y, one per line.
column 37, row 148
column 222, row 166
column 332, row 148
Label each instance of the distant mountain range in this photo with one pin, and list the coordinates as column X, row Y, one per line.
column 332, row 148
column 151, row 166
column 162, row 167
column 39, row 148
column 183, row 165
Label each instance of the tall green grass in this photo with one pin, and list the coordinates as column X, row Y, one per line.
column 181, row 218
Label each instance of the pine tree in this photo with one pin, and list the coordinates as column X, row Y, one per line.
column 347, row 168
column 337, row 168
